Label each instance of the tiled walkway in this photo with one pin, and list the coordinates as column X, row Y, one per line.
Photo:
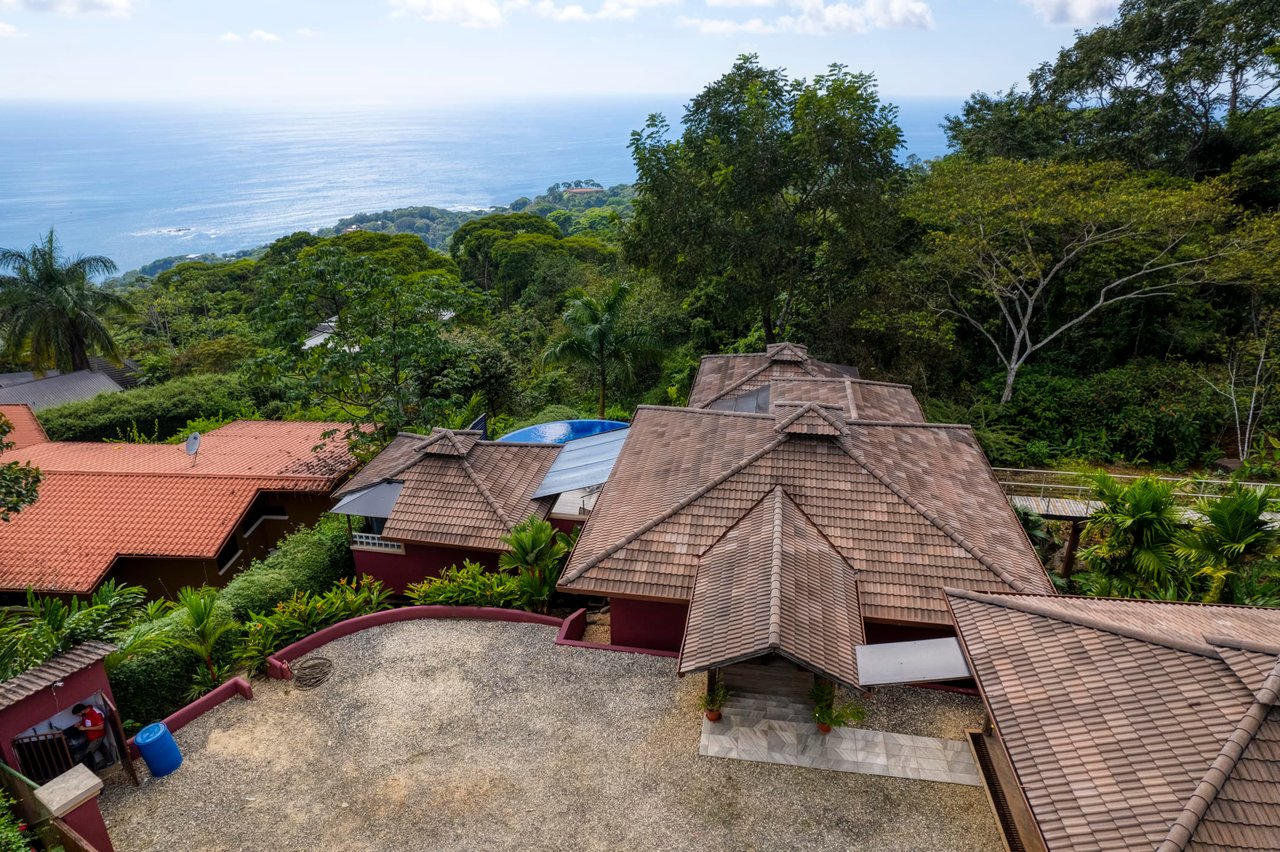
column 773, row 730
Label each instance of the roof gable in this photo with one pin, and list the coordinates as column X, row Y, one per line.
column 774, row 584
column 1122, row 735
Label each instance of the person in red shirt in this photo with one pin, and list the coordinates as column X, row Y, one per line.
column 94, row 725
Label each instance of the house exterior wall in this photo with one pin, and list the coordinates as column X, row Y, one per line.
column 47, row 703
column 418, row 562
column 647, row 624
column 566, row 524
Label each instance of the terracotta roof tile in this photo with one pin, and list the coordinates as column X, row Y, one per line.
column 774, row 584
column 684, row 477
column 1123, row 729
column 26, row 428
column 100, row 501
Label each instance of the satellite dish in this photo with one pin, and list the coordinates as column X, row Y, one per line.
column 193, row 443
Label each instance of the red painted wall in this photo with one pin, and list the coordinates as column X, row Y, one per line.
column 418, row 562
column 647, row 624
column 567, row 525
column 48, row 702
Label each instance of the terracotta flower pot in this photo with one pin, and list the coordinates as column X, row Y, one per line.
column 713, row 715
column 826, row 729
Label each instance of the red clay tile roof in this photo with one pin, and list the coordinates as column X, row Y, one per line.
column 459, row 491
column 909, row 526
column 26, row 428
column 1128, row 732
column 100, row 501
column 773, row 584
column 731, row 375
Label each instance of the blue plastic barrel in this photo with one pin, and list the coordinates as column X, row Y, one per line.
column 158, row 749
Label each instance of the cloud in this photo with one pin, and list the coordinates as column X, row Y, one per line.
column 609, row 10
column 9, row 31
column 228, row 37
column 114, row 8
column 307, row 32
column 818, row 17
column 263, row 35
column 467, row 13
column 1074, row 12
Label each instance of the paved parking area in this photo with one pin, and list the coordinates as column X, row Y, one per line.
column 484, row 735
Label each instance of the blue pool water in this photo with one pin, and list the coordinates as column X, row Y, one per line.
column 562, row 431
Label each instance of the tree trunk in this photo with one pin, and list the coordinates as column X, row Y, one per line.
column 1010, row 374
column 766, row 315
column 1069, row 552
column 603, row 387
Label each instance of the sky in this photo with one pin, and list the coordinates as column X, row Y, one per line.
column 314, row 53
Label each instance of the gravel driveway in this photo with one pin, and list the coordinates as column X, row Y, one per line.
column 486, row 735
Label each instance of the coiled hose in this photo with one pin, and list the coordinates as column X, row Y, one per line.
column 311, row 672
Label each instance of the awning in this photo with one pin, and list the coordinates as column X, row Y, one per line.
column 376, row 501
column 582, row 463
column 911, row 662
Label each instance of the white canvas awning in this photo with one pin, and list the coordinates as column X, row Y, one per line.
column 911, row 662
column 376, row 501
column 582, row 463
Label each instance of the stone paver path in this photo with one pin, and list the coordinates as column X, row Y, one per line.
column 774, row 730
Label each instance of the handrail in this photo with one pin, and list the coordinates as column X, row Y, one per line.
column 1031, row 482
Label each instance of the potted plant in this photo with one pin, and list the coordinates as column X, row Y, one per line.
column 827, row 714
column 713, row 700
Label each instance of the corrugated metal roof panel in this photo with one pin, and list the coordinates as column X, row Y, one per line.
column 374, row 502
column 583, row 463
column 911, row 662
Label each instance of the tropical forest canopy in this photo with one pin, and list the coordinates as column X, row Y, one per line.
column 1091, row 274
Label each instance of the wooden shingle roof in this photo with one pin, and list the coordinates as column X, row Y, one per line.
column 729, row 375
column 686, row 476
column 773, row 584
column 1128, row 732
column 458, row 491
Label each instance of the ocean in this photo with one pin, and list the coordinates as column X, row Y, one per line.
column 139, row 183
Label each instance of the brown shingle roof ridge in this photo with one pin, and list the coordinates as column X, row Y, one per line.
column 1243, row 645
column 715, row 412
column 848, row 379
column 951, row 532
column 920, row 424
column 481, row 487
column 1030, row 604
column 738, row 468
column 775, row 574
column 823, row 411
column 1183, row 830
column 740, row 382
column 540, row 445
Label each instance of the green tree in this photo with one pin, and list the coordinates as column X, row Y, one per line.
column 598, row 337
column 1133, row 535
column 535, row 553
column 19, row 483
column 386, row 361
column 51, row 312
column 472, row 245
column 1232, row 532
column 1026, row 252
column 771, row 179
column 202, row 623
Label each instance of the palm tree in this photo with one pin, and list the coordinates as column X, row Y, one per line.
column 597, row 338
column 1233, row 533
column 536, row 553
column 203, row 623
column 1134, row 534
column 51, row 311
column 48, row 626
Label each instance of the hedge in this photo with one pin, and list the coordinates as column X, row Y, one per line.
column 150, row 686
column 158, row 411
column 309, row 560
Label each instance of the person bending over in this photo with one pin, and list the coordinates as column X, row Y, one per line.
column 94, row 726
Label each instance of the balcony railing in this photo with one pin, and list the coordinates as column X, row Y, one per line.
column 373, row 541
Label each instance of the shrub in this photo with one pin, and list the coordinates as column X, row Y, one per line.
column 310, row 560
column 14, row 834
column 150, row 686
column 536, row 555
column 470, row 585
column 304, row 614
column 160, row 409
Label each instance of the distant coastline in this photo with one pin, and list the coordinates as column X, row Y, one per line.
column 150, row 183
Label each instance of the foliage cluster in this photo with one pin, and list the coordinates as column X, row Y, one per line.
column 828, row 711
column 303, row 614
column 161, row 410
column 15, row 836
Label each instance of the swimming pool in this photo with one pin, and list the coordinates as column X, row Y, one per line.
column 562, row 431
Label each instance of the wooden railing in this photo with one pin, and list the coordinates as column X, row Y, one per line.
column 1070, row 485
